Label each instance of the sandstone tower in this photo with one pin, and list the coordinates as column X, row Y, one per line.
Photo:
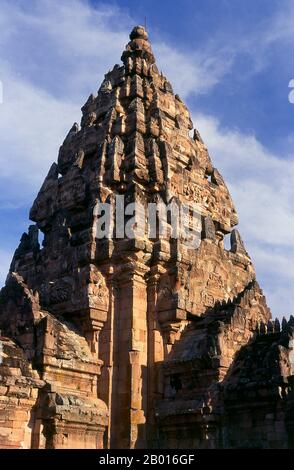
column 145, row 342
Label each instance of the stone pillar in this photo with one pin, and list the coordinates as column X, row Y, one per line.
column 129, row 382
column 106, row 350
column 155, row 359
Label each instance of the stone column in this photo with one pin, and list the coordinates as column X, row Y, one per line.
column 129, row 383
column 155, row 359
column 106, row 350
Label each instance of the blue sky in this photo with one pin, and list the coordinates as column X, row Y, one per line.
column 230, row 60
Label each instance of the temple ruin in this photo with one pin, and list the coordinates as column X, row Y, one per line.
column 139, row 342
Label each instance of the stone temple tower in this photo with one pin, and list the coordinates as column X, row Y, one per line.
column 138, row 342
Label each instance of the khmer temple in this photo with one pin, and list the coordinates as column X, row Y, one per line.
column 139, row 342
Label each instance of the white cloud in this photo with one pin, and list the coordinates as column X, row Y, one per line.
column 280, row 26
column 33, row 125
column 195, row 73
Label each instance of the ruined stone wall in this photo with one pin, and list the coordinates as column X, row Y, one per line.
column 228, row 380
column 19, row 387
column 49, row 381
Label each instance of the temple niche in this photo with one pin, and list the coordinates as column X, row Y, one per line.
column 141, row 342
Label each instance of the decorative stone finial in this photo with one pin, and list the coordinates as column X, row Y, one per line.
column 277, row 325
column 139, row 46
column 139, row 32
column 284, row 323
